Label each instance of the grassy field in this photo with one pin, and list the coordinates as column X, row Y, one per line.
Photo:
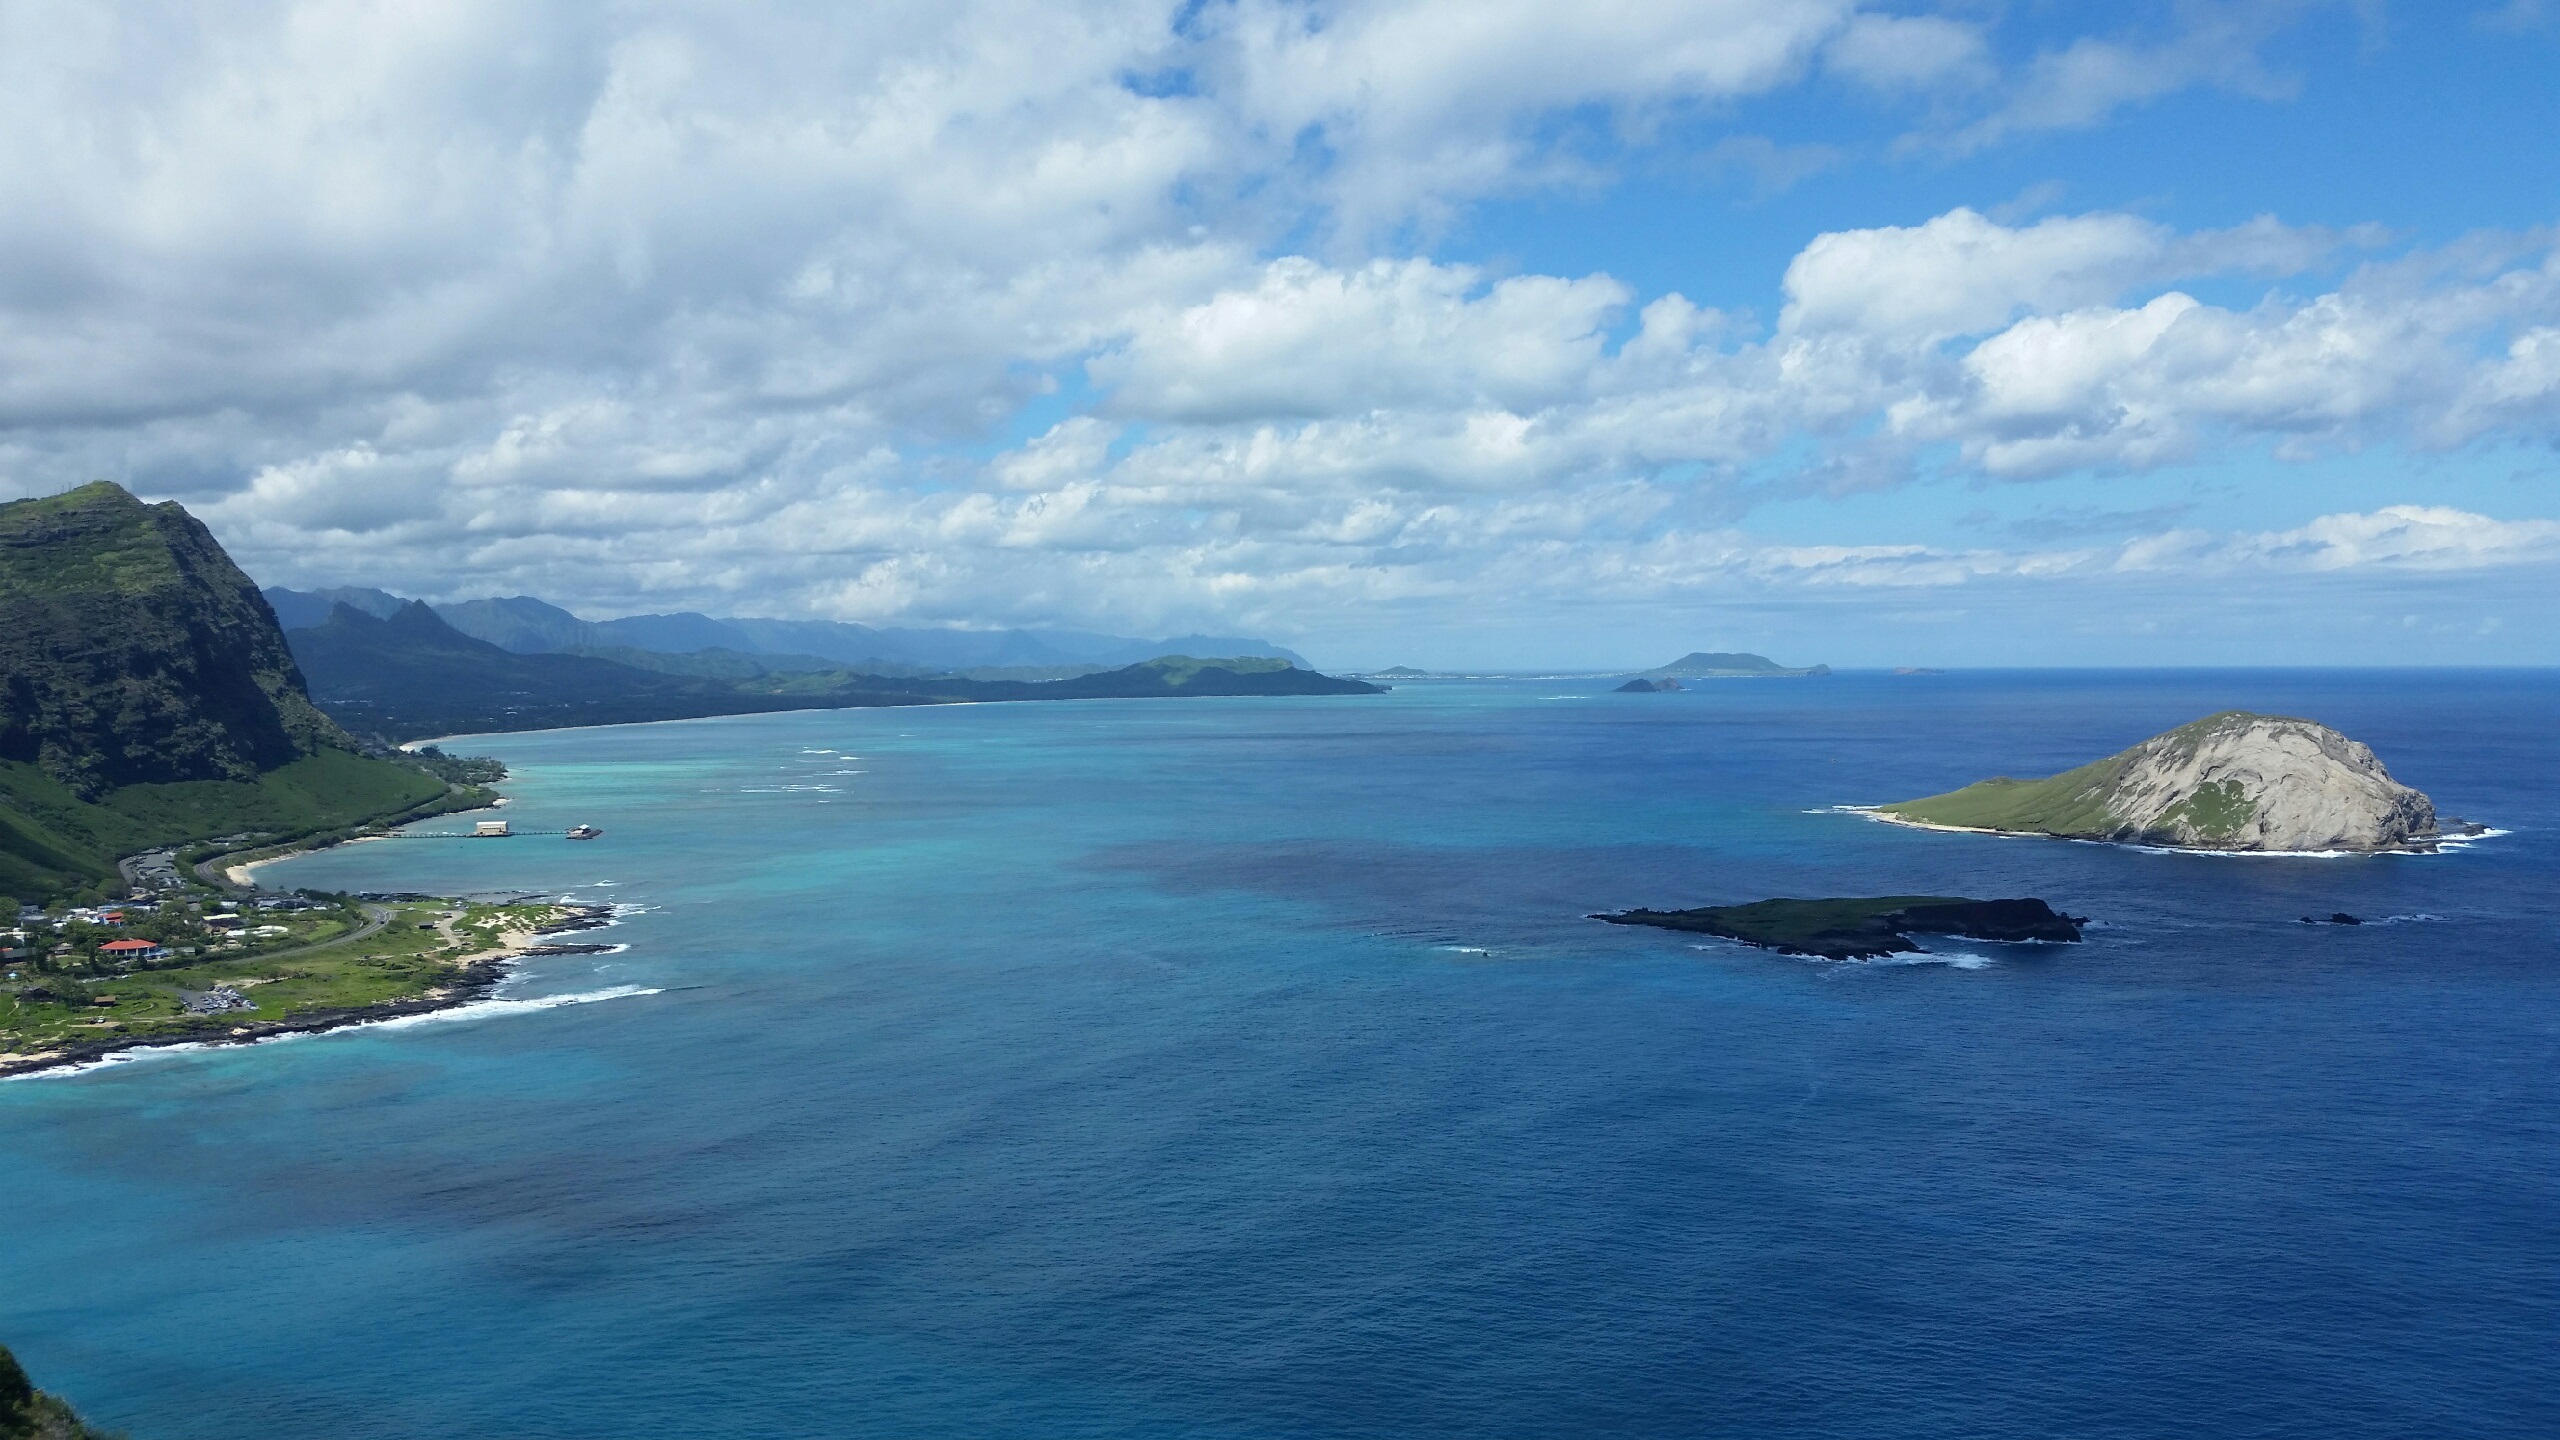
column 423, row 946
column 52, row 842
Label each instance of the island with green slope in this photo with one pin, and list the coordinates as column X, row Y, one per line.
column 2233, row 781
column 1863, row 928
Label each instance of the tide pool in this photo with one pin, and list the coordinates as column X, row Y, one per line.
column 1248, row 1068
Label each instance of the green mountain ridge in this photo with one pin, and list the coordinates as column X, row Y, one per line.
column 150, row 700
column 136, row 652
column 413, row 675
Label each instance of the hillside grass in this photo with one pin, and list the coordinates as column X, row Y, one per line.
column 2075, row 802
column 54, row 843
column 2071, row 803
column 49, row 554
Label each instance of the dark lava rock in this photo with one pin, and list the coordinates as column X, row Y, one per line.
column 1863, row 929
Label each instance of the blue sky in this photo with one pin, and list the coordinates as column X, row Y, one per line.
column 1416, row 331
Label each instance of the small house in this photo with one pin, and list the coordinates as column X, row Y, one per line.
column 131, row 952
column 489, row 829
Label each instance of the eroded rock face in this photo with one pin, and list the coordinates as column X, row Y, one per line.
column 2238, row 781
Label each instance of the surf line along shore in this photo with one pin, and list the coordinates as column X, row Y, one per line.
column 511, row 934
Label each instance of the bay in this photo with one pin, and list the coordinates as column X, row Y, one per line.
column 1248, row 1067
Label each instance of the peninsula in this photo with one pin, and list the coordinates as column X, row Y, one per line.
column 2235, row 781
column 305, row 965
column 1863, row 929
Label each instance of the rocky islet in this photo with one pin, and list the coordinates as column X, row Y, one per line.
column 2234, row 781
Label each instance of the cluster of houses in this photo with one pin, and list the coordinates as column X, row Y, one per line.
column 224, row 924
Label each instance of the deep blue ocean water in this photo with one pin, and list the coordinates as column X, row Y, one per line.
column 1247, row 1068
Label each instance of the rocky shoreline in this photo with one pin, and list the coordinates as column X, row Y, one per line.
column 472, row 981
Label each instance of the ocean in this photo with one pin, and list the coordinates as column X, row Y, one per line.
column 1246, row 1068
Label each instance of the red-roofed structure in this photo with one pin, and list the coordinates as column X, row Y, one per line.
column 132, row 950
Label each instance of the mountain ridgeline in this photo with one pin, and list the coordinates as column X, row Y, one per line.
column 150, row 700
column 529, row 626
column 410, row 674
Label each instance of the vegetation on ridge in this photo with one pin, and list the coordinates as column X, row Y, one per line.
column 147, row 700
column 27, row 1413
column 413, row 675
column 2081, row 801
column 135, row 651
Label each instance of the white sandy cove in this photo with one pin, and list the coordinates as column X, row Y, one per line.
column 245, row 875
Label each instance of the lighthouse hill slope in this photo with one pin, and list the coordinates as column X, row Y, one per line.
column 2233, row 781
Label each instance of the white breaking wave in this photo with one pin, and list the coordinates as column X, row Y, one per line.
column 494, row 1006
column 1952, row 959
column 498, row 1005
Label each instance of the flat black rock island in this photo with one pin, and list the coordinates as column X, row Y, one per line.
column 1863, row 929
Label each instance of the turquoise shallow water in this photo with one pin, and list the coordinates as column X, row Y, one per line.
column 1243, row 1068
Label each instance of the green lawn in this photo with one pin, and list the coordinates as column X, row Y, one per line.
column 406, row 958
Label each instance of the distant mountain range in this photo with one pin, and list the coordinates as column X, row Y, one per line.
column 529, row 626
column 411, row 674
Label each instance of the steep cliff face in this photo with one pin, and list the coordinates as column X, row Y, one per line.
column 2266, row 782
column 135, row 652
column 2233, row 781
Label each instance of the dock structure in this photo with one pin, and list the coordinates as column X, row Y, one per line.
column 489, row 830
